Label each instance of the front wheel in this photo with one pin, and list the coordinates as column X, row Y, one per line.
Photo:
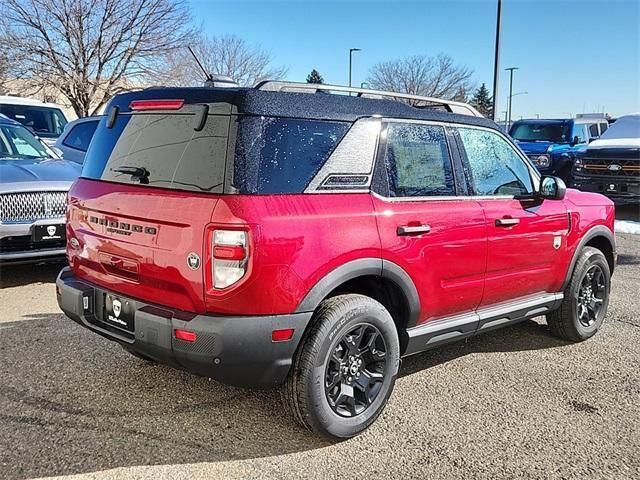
column 345, row 368
column 585, row 299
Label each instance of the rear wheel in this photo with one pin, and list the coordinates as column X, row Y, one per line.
column 345, row 368
column 585, row 299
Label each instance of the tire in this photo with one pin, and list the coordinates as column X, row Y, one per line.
column 307, row 391
column 573, row 321
column 138, row 355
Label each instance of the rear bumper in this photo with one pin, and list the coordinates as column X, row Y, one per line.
column 233, row 350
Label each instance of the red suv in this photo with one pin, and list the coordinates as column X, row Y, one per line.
column 288, row 235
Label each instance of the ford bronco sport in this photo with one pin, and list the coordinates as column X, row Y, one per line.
column 278, row 236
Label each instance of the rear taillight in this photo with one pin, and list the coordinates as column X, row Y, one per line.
column 230, row 255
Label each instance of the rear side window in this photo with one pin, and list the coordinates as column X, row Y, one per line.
column 417, row 161
column 282, row 155
column 45, row 122
column 593, row 131
column 496, row 168
column 80, row 136
column 160, row 150
column 603, row 127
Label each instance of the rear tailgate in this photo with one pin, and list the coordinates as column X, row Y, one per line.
column 138, row 243
column 138, row 214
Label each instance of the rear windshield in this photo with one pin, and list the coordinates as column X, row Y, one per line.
column 282, row 155
column 541, row 132
column 160, row 150
column 45, row 122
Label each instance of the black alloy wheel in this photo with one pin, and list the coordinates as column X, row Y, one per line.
column 355, row 370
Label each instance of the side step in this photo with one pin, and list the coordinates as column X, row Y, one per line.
column 439, row 332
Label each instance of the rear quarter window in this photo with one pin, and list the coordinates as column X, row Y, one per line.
column 282, row 155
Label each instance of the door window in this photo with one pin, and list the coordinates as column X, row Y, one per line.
column 417, row 161
column 496, row 168
column 580, row 131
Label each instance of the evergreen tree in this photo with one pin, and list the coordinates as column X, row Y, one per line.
column 315, row 77
column 483, row 101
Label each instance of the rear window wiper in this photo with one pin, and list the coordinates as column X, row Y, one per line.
column 140, row 174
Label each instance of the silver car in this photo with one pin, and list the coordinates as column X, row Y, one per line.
column 33, row 192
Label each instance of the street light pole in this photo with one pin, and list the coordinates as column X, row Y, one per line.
column 351, row 50
column 496, row 62
column 510, row 70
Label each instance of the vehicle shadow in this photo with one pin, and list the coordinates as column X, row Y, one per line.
column 624, row 259
column 72, row 402
column 527, row 335
column 25, row 274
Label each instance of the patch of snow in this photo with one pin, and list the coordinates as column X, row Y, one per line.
column 627, row 226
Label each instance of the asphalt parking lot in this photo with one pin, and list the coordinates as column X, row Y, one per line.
column 512, row 403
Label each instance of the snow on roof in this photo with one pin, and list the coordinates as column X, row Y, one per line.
column 625, row 132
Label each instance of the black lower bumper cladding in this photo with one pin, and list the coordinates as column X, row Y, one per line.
column 233, row 350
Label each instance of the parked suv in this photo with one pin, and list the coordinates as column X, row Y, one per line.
column 552, row 145
column 277, row 236
column 611, row 165
column 45, row 120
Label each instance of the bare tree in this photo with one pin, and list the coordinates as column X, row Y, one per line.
column 226, row 55
column 436, row 76
column 88, row 50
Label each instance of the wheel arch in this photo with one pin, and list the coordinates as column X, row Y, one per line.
column 599, row 237
column 383, row 280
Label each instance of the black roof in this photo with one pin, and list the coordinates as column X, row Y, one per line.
column 320, row 106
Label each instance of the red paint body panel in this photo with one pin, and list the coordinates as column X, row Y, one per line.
column 162, row 275
column 522, row 258
column 295, row 241
column 465, row 262
column 447, row 264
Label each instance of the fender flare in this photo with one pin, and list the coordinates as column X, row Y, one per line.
column 363, row 267
column 597, row 231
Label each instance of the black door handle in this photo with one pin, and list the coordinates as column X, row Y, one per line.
column 507, row 222
column 413, row 229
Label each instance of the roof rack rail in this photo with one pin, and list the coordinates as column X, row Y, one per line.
column 429, row 102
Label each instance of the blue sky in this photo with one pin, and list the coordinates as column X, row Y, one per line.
column 573, row 55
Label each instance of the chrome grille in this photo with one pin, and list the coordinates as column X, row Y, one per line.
column 27, row 206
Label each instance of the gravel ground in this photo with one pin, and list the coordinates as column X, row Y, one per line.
column 512, row 403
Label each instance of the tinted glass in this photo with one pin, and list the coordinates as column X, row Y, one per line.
column 496, row 168
column 80, row 136
column 540, row 132
column 165, row 149
column 580, row 131
column 603, row 127
column 593, row 131
column 43, row 121
column 417, row 161
column 281, row 155
column 18, row 142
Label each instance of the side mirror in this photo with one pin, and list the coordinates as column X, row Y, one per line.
column 575, row 141
column 552, row 188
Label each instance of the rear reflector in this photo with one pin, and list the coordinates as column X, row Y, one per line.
column 185, row 335
column 228, row 252
column 282, row 335
column 156, row 104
